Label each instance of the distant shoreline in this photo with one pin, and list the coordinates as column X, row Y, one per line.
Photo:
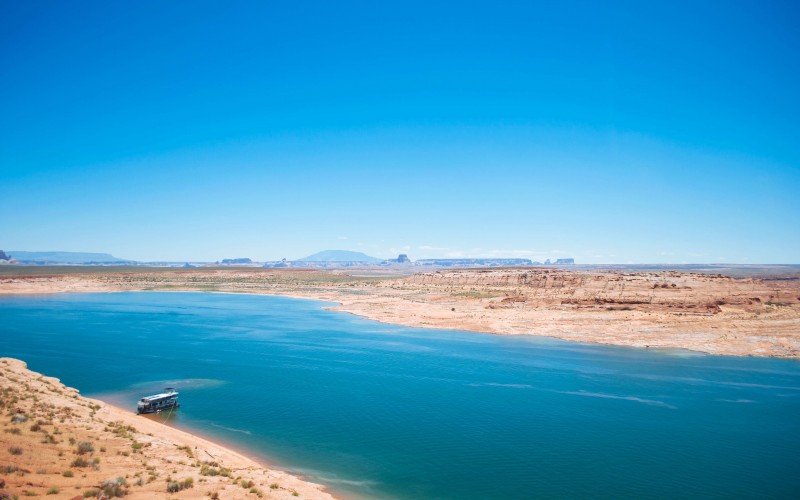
column 710, row 313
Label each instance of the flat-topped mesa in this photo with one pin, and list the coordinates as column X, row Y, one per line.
column 239, row 260
column 475, row 262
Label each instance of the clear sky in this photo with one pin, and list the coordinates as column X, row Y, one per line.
column 609, row 132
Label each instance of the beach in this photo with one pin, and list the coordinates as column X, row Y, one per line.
column 753, row 313
column 57, row 442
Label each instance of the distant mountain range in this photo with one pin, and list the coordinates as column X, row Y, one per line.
column 324, row 259
column 64, row 257
column 340, row 256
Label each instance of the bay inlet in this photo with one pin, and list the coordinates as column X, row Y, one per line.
column 376, row 410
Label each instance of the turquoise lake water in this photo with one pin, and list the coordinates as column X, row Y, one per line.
column 375, row 410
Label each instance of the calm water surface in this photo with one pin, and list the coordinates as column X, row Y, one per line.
column 377, row 410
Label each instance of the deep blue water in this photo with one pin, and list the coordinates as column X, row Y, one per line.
column 378, row 410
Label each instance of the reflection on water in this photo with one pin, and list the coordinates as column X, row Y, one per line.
column 171, row 417
column 382, row 411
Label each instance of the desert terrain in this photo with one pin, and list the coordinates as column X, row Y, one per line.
column 56, row 442
column 741, row 311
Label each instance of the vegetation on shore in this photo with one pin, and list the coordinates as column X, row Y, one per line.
column 55, row 442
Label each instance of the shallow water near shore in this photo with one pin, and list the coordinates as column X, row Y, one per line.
column 376, row 410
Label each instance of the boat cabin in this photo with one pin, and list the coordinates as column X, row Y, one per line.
column 167, row 400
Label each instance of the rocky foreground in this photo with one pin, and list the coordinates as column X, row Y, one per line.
column 749, row 314
column 56, row 444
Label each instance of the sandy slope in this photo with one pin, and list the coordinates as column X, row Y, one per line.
column 35, row 454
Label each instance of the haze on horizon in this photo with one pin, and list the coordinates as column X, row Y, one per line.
column 622, row 132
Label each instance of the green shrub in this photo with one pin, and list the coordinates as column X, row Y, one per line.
column 188, row 451
column 176, row 486
column 114, row 487
column 68, row 473
column 15, row 450
column 19, row 418
column 85, row 447
column 207, row 470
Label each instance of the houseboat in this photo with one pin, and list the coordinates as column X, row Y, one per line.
column 167, row 400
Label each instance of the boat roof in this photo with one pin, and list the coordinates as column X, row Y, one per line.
column 160, row 396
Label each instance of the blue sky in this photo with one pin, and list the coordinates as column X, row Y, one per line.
column 615, row 132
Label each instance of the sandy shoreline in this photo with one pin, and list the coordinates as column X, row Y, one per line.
column 48, row 422
column 717, row 314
